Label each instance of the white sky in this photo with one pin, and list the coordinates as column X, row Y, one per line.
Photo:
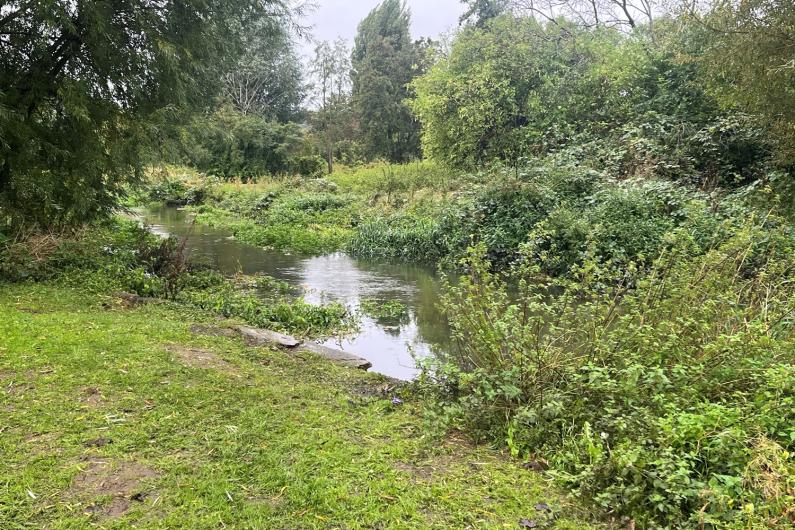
column 340, row 18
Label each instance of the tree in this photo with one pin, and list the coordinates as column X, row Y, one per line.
column 331, row 68
column 87, row 85
column 625, row 15
column 750, row 62
column 481, row 11
column 384, row 61
column 482, row 102
column 267, row 80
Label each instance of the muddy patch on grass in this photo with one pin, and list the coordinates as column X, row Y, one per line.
column 199, row 358
column 213, row 331
column 34, row 311
column 91, row 396
column 383, row 388
column 454, row 456
column 124, row 482
column 428, row 470
column 18, row 388
column 98, row 442
column 42, row 443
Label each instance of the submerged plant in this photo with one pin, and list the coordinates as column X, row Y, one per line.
column 390, row 312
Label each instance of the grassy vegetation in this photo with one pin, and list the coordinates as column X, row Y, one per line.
column 424, row 213
column 114, row 418
column 121, row 256
column 316, row 215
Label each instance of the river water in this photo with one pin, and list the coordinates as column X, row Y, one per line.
column 333, row 278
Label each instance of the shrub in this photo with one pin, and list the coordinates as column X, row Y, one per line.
column 308, row 166
column 390, row 312
column 662, row 401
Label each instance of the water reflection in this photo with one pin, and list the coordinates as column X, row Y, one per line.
column 332, row 278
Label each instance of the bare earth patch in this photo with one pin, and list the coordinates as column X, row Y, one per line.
column 199, row 358
column 435, row 466
column 426, row 471
column 91, row 396
column 32, row 311
column 213, row 331
column 123, row 481
column 18, row 389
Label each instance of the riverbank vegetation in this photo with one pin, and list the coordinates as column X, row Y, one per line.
column 123, row 257
column 607, row 188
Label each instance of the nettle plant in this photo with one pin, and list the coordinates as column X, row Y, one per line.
column 666, row 396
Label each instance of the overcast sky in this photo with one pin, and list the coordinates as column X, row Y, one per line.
column 339, row 18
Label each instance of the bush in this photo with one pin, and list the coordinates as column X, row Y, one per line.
column 671, row 403
column 175, row 193
column 232, row 145
column 389, row 313
column 308, row 166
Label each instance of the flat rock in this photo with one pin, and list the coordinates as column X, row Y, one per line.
column 261, row 337
column 338, row 356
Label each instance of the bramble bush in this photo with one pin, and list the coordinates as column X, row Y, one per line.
column 667, row 397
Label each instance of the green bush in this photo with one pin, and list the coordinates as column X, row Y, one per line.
column 293, row 315
column 175, row 193
column 389, row 312
column 231, row 145
column 308, row 166
column 671, row 402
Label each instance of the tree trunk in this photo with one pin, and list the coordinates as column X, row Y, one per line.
column 5, row 175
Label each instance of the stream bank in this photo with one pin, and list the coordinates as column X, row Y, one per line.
column 390, row 344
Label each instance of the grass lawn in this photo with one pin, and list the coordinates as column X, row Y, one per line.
column 113, row 417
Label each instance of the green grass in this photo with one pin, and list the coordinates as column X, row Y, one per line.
column 260, row 439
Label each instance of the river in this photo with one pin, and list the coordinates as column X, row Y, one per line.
column 332, row 278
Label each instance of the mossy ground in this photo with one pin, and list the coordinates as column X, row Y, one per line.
column 105, row 422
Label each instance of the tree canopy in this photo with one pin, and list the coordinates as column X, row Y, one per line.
column 750, row 59
column 86, row 84
column 384, row 61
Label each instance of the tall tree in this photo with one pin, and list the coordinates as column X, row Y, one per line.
column 385, row 60
column 331, row 68
column 479, row 12
column 85, row 84
column 267, row 80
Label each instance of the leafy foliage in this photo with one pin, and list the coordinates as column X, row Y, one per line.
column 87, row 86
column 384, row 61
column 517, row 88
column 229, row 144
column 748, row 58
column 663, row 402
column 390, row 312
